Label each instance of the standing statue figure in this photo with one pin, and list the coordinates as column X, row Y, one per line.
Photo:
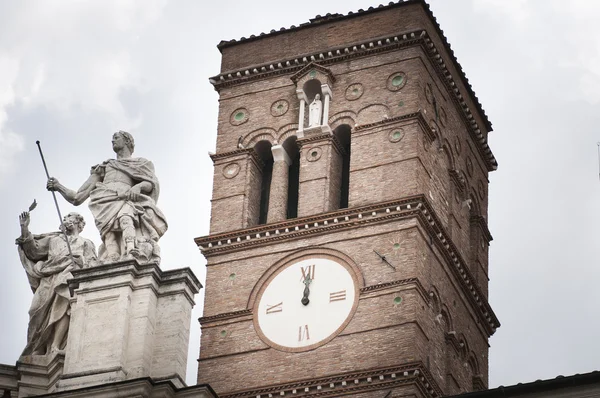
column 314, row 112
column 48, row 265
column 123, row 193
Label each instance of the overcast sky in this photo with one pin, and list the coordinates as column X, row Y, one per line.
column 73, row 72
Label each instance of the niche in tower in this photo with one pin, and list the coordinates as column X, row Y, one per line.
column 342, row 134
column 263, row 150
column 313, row 89
column 293, row 152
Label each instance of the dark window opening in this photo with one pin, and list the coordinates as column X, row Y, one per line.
column 263, row 150
column 342, row 133
column 291, row 148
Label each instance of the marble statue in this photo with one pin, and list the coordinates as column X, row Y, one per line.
column 123, row 193
column 48, row 265
column 314, row 112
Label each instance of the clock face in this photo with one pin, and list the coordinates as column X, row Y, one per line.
column 306, row 304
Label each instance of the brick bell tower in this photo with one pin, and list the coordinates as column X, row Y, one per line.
column 348, row 252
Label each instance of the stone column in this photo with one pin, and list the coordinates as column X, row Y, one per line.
column 327, row 94
column 302, row 99
column 279, row 185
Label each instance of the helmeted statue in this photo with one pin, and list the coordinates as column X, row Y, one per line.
column 123, row 193
column 48, row 265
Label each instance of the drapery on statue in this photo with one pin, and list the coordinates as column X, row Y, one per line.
column 123, row 193
column 48, row 265
column 314, row 112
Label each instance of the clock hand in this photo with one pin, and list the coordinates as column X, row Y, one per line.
column 306, row 282
column 384, row 259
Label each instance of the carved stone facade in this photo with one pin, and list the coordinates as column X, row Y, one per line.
column 393, row 179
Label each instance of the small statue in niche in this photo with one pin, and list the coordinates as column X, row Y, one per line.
column 314, row 112
column 48, row 265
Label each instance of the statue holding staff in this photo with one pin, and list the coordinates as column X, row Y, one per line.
column 123, row 193
column 48, row 260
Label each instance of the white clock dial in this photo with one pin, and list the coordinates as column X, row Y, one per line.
column 287, row 321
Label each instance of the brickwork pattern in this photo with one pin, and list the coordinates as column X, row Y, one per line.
column 405, row 142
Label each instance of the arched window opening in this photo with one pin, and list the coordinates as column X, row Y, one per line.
column 263, row 150
column 293, row 152
column 342, row 133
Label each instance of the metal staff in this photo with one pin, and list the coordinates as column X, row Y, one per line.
column 62, row 226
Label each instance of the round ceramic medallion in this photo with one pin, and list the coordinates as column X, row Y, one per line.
column 354, row 91
column 239, row 116
column 231, row 170
column 279, row 107
column 429, row 93
column 396, row 135
column 313, row 154
column 481, row 189
column 306, row 303
column 443, row 116
column 469, row 167
column 457, row 146
column 396, row 81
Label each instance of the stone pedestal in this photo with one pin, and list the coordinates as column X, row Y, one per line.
column 39, row 374
column 128, row 321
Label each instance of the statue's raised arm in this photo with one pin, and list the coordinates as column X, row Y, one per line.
column 48, row 266
column 123, row 193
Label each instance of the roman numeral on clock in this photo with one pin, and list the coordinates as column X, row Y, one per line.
column 308, row 271
column 303, row 333
column 274, row 308
column 337, row 296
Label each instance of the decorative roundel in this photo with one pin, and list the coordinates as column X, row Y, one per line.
column 354, row 91
column 481, row 189
column 314, row 154
column 312, row 74
column 239, row 116
column 429, row 93
column 231, row 170
column 443, row 116
column 396, row 135
column 457, row 197
column 279, row 107
column 396, row 81
column 469, row 167
column 457, row 146
column 483, row 243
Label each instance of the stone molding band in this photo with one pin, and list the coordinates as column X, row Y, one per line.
column 374, row 46
column 416, row 206
column 342, row 384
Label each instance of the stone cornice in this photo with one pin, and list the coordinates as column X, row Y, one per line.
column 217, row 157
column 418, row 116
column 301, row 142
column 367, row 48
column 411, row 207
column 162, row 279
column 458, row 179
column 347, row 383
column 224, row 316
column 387, row 285
column 312, row 65
column 337, row 17
column 480, row 221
